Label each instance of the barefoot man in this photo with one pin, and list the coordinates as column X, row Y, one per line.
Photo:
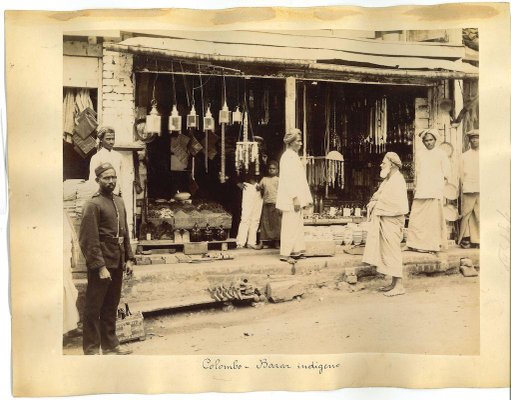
column 386, row 211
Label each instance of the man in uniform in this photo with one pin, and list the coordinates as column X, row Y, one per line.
column 105, row 243
column 427, row 230
column 469, row 175
column 387, row 209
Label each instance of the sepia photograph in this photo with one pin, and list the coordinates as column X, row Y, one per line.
column 292, row 192
column 258, row 199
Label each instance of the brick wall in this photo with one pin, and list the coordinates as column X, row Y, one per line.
column 118, row 111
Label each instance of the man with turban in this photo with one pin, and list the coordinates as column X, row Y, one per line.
column 106, row 154
column 386, row 214
column 427, row 231
column 293, row 195
column 105, row 243
column 469, row 175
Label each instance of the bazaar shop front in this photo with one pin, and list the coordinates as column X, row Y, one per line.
column 212, row 113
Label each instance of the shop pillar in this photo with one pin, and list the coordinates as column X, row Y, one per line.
column 118, row 111
column 290, row 103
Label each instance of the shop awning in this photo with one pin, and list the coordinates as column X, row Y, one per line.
column 310, row 53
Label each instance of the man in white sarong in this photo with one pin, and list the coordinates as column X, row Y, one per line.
column 293, row 196
column 469, row 175
column 427, row 230
column 386, row 211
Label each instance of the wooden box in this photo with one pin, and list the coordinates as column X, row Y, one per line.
column 319, row 248
column 195, row 248
column 130, row 328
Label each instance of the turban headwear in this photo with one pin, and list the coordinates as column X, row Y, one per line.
column 432, row 132
column 394, row 159
column 473, row 132
column 292, row 135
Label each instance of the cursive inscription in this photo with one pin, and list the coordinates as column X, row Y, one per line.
column 215, row 364
column 265, row 364
column 218, row 364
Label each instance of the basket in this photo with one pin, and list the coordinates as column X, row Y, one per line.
column 130, row 328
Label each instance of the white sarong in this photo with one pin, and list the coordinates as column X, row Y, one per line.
column 383, row 247
column 291, row 234
column 427, row 229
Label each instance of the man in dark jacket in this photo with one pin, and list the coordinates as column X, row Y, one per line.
column 105, row 243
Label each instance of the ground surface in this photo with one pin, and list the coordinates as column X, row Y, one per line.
column 438, row 315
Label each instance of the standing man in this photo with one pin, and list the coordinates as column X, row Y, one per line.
column 427, row 231
column 105, row 243
column 386, row 211
column 106, row 154
column 469, row 175
column 293, row 195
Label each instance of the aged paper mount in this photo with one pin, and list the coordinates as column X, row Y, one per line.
column 34, row 105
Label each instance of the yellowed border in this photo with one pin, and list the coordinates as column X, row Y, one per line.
column 34, row 90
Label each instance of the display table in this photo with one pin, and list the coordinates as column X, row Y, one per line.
column 333, row 221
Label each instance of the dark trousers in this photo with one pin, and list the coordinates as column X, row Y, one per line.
column 101, row 302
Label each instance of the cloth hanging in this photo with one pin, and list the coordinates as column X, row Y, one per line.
column 212, row 140
column 179, row 148
column 85, row 145
column 86, row 123
column 68, row 115
column 194, row 146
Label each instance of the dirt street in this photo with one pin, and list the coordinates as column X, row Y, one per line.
column 438, row 315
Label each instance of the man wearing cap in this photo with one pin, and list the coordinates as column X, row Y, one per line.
column 106, row 154
column 293, row 195
column 105, row 243
column 386, row 213
column 427, row 230
column 469, row 175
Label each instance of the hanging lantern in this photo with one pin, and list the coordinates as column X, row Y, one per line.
column 174, row 120
column 191, row 119
column 224, row 115
column 209, row 121
column 153, row 120
column 236, row 116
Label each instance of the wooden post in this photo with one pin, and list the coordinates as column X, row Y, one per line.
column 290, row 103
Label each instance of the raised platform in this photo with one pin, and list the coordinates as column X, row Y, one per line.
column 223, row 245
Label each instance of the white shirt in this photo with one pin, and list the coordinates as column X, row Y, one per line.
column 433, row 167
column 391, row 197
column 292, row 182
column 106, row 156
column 469, row 171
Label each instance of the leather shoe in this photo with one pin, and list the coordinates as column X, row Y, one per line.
column 118, row 351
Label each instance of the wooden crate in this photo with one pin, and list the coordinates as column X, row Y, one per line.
column 130, row 328
column 319, row 248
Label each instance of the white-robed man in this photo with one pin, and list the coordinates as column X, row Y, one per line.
column 293, row 196
column 469, row 175
column 106, row 154
column 386, row 211
column 427, row 230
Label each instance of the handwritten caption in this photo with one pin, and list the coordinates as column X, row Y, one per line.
column 219, row 364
